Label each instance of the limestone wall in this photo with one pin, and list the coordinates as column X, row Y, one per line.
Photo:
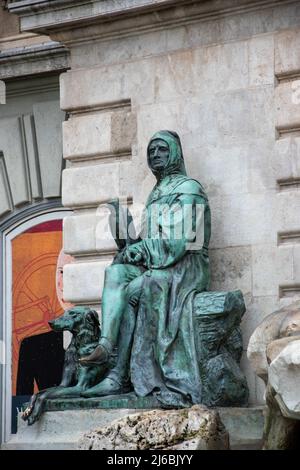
column 229, row 85
column 9, row 24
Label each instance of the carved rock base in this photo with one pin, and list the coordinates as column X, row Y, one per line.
column 195, row 428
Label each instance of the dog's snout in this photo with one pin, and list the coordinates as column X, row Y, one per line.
column 53, row 323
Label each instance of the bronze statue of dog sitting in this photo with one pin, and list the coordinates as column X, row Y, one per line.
column 83, row 323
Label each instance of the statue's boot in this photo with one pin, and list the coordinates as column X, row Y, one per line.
column 117, row 381
column 108, row 386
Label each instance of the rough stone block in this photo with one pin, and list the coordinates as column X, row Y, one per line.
column 287, row 158
column 181, row 73
column 244, row 220
column 63, row 429
column 257, row 308
column 268, row 276
column 287, row 52
column 83, row 282
column 266, row 332
column 98, row 134
column 284, row 377
column 194, row 429
column 5, row 203
column 91, row 185
column 107, row 86
column 261, row 62
column 244, row 425
column 286, row 220
column 88, row 233
column 87, row 135
column 47, row 115
column 287, row 101
column 231, row 268
column 218, row 341
column 296, row 266
column 13, row 153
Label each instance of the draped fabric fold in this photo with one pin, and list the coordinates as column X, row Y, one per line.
column 164, row 361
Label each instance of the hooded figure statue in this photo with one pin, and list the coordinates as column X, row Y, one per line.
column 147, row 302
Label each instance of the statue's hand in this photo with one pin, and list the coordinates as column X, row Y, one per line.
column 133, row 255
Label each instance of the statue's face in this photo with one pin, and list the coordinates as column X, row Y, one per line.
column 158, row 154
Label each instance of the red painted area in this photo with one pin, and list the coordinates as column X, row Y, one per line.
column 34, row 267
column 50, row 226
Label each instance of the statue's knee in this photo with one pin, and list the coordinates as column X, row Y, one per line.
column 116, row 273
column 112, row 271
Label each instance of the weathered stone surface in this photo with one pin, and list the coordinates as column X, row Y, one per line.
column 286, row 219
column 274, row 352
column 193, row 428
column 284, row 377
column 231, row 268
column 218, row 340
column 286, row 160
column 116, row 86
column 266, row 276
column 63, row 429
column 265, row 333
column 89, row 178
column 280, row 433
column 83, row 282
column 98, row 134
column 276, row 347
column 261, row 65
column 291, row 324
column 287, row 52
column 9, row 24
column 47, row 115
column 88, row 233
column 244, row 425
column 287, row 104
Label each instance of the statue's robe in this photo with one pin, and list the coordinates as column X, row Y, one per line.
column 164, row 360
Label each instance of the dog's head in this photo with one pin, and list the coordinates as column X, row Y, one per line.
column 75, row 319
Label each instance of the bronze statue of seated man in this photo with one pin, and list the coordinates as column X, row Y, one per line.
column 147, row 301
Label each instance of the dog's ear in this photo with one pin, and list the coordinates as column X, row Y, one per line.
column 92, row 317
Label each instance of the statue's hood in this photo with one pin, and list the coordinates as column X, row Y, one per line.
column 175, row 163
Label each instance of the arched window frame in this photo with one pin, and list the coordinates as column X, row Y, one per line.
column 9, row 229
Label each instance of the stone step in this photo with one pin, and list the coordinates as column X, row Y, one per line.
column 245, row 426
column 61, row 430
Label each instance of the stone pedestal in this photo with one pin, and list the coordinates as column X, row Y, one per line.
column 63, row 429
column 195, row 428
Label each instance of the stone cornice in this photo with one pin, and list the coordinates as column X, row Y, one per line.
column 61, row 18
column 33, row 60
column 49, row 15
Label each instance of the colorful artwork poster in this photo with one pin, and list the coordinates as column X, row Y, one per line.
column 37, row 352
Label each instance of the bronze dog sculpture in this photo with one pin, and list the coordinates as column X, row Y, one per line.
column 83, row 323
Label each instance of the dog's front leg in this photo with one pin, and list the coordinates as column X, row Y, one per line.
column 56, row 392
column 29, row 409
column 35, row 401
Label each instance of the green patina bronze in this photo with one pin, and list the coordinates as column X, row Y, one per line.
column 164, row 337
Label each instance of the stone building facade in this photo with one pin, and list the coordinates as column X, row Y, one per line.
column 224, row 74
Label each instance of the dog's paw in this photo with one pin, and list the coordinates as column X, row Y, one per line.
column 26, row 413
